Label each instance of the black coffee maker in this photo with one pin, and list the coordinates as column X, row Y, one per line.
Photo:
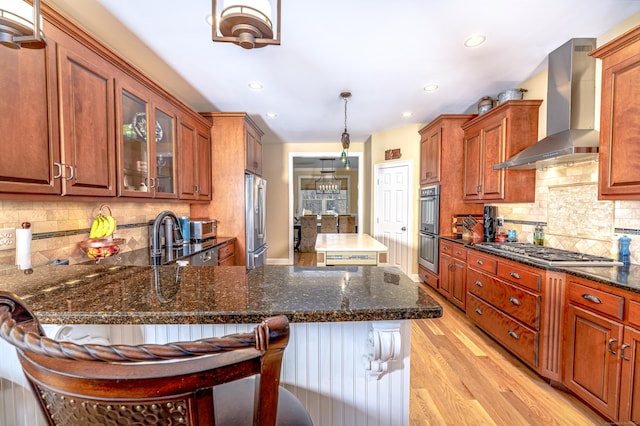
column 489, row 223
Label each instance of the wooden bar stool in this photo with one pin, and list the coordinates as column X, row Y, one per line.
column 230, row 380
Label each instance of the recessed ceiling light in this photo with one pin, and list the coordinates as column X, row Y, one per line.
column 255, row 85
column 407, row 114
column 271, row 115
column 430, row 87
column 209, row 19
column 475, row 40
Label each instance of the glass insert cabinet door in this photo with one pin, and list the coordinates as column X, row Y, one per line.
column 148, row 149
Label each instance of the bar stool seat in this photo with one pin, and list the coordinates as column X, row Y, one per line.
column 229, row 380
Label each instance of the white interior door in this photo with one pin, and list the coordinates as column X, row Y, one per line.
column 392, row 223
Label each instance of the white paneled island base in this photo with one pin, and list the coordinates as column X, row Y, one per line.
column 350, row 249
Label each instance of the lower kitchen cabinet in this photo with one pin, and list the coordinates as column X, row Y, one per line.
column 453, row 273
column 226, row 253
column 429, row 278
column 603, row 349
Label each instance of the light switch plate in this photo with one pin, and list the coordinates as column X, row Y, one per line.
column 7, row 238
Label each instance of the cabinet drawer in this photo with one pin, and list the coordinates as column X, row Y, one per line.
column 226, row 250
column 520, row 275
column 481, row 262
column 429, row 279
column 633, row 313
column 520, row 340
column 596, row 300
column 519, row 303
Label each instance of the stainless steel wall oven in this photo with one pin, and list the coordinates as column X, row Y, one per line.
column 429, row 227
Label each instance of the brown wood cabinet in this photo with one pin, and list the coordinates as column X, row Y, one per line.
column 505, row 299
column 64, row 129
column 30, row 150
column 619, row 151
column 453, row 273
column 489, row 140
column 602, row 348
column 194, row 161
column 226, row 254
column 229, row 148
column 253, row 150
column 441, row 152
column 428, row 277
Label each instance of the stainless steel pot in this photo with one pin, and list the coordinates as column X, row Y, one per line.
column 510, row 94
column 485, row 104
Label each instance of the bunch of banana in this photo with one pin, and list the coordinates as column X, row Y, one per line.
column 102, row 226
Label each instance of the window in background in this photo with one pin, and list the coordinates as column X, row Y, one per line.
column 318, row 204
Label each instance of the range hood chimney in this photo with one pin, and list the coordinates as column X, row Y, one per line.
column 570, row 111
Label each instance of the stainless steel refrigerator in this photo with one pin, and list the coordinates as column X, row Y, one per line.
column 255, row 190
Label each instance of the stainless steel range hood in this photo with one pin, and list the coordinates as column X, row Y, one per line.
column 570, row 111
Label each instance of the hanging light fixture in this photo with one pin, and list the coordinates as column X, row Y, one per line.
column 344, row 157
column 246, row 23
column 20, row 25
column 327, row 183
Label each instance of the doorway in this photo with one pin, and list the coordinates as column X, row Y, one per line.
column 304, row 166
column 393, row 212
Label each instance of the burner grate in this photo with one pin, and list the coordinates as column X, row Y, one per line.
column 549, row 255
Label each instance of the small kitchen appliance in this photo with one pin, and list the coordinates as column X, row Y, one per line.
column 489, row 223
column 202, row 229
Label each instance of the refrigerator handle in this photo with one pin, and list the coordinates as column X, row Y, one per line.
column 261, row 206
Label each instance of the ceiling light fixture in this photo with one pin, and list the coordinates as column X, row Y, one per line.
column 345, row 139
column 430, row 88
column 407, row 114
column 271, row 115
column 20, row 25
column 255, row 85
column 475, row 40
column 327, row 183
column 247, row 23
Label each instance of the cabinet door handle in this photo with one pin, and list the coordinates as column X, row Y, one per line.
column 592, row 298
column 622, row 349
column 71, row 172
column 59, row 166
column 514, row 301
column 479, row 284
column 513, row 334
column 515, row 275
column 458, row 252
column 479, row 262
column 197, row 188
column 478, row 311
column 611, row 342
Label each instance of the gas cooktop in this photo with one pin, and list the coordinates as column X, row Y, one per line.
column 549, row 256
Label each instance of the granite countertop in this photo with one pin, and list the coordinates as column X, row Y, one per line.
column 623, row 277
column 142, row 257
column 118, row 294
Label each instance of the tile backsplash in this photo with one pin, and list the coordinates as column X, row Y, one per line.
column 58, row 227
column 574, row 219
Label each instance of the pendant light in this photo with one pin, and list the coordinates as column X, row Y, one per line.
column 247, row 23
column 327, row 183
column 21, row 24
column 344, row 157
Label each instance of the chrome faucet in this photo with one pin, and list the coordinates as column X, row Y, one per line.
column 156, row 248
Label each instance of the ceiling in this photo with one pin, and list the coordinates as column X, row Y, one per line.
column 383, row 52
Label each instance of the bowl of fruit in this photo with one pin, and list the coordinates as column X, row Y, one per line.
column 101, row 242
column 99, row 248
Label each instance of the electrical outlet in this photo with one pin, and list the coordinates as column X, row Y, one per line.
column 7, row 238
column 500, row 220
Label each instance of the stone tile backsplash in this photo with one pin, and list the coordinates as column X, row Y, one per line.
column 567, row 204
column 58, row 227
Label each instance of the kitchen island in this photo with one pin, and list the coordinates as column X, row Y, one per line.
column 349, row 249
column 349, row 353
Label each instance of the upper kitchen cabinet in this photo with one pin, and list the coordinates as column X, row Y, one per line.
column 147, row 142
column 619, row 150
column 195, row 160
column 31, row 150
column 489, row 140
column 253, row 153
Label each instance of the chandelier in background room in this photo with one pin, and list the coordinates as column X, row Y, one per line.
column 327, row 183
column 345, row 140
column 247, row 23
column 21, row 25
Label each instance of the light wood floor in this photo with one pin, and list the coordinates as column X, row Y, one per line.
column 460, row 376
